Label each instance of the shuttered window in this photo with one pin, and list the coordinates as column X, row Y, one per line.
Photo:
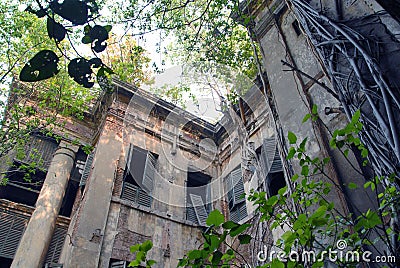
column 272, row 166
column 87, row 168
column 56, row 244
column 149, row 171
column 271, row 161
column 12, row 227
column 251, row 155
column 238, row 212
column 118, row 264
column 39, row 150
column 139, row 176
column 198, row 197
column 135, row 194
column 237, row 203
column 199, row 209
column 235, row 187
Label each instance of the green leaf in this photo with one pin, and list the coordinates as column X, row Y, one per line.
column 282, row 191
column 215, row 218
column 305, row 119
column 216, row 257
column 277, row 264
column 55, row 30
column 239, row 229
column 229, row 225
column 182, row 262
column 352, row 185
column 86, row 39
column 291, row 153
column 194, row 254
column 150, row 262
column 147, row 245
column 302, row 145
column 292, row 137
column 42, row 66
column 135, row 248
column 319, row 212
column 295, row 177
column 244, row 239
column 314, row 109
column 134, row 263
column 305, row 170
column 108, row 28
column 272, row 201
column 73, row 10
column 214, row 242
column 86, row 29
column 356, row 117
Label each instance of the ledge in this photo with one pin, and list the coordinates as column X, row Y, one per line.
column 160, row 214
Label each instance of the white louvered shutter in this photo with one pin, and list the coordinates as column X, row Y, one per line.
column 199, row 209
column 149, row 171
column 87, row 168
column 238, row 188
column 270, row 155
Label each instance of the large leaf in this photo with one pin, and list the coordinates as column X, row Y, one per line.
column 215, row 218
column 55, row 30
column 75, row 11
column 80, row 70
column 42, row 66
column 98, row 34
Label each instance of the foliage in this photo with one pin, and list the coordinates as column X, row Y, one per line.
column 141, row 251
column 26, row 108
column 202, row 30
column 128, row 60
column 215, row 238
column 314, row 229
column 61, row 17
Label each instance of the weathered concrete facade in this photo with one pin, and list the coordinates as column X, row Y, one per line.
column 111, row 212
column 157, row 170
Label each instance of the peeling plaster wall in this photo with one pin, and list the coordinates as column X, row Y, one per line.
column 127, row 226
column 105, row 226
column 295, row 94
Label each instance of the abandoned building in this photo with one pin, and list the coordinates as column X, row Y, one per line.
column 156, row 170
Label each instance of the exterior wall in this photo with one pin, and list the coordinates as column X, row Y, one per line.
column 101, row 234
column 294, row 95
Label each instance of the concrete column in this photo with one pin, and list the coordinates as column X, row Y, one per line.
column 37, row 237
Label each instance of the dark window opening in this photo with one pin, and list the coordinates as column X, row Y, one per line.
column 38, row 149
column 198, row 197
column 24, row 187
column 296, row 27
column 114, row 263
column 276, row 181
column 118, row 264
column 139, row 176
column 73, row 184
column 271, row 166
column 5, row 262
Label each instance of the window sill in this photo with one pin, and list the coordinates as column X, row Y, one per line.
column 160, row 214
